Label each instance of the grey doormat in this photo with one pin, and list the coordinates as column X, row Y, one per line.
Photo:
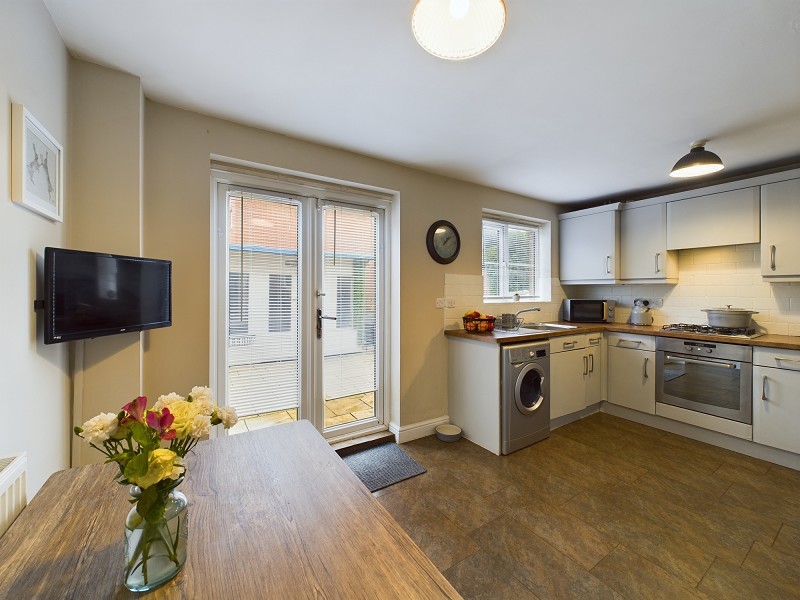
column 382, row 466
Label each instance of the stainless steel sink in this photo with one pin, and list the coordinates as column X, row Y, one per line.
column 546, row 327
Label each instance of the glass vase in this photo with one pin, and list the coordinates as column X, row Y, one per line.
column 155, row 552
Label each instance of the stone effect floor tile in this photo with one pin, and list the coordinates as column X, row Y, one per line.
column 604, row 508
column 481, row 577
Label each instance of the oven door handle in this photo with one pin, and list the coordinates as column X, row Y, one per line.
column 700, row 361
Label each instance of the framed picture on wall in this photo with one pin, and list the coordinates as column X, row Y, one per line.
column 37, row 166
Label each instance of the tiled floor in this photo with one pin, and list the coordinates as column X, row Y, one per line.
column 337, row 411
column 604, row 508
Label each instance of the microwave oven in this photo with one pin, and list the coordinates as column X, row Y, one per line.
column 588, row 311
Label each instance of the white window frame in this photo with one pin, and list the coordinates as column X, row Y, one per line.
column 542, row 258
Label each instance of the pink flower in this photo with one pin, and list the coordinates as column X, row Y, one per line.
column 135, row 410
column 161, row 421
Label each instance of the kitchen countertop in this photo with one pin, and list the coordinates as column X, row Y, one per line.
column 786, row 342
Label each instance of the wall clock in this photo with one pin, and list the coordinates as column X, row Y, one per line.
column 443, row 242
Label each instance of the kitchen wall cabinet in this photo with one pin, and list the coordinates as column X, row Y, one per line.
column 780, row 245
column 776, row 405
column 589, row 245
column 643, row 246
column 631, row 371
column 575, row 373
column 722, row 219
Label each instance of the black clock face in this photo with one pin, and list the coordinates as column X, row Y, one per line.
column 443, row 242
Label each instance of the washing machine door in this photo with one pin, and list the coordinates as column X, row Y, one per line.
column 529, row 391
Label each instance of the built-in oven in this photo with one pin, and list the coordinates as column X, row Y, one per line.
column 706, row 377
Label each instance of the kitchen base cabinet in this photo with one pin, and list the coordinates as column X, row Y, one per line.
column 575, row 371
column 631, row 371
column 776, row 404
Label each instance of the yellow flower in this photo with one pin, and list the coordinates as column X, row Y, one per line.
column 184, row 413
column 160, row 465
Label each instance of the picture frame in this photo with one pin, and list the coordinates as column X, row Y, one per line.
column 37, row 166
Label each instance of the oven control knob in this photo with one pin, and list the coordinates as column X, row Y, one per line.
column 709, row 350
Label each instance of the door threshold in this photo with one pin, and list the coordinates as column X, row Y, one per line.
column 362, row 443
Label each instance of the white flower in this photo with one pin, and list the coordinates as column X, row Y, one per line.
column 201, row 426
column 98, row 429
column 227, row 416
column 203, row 397
column 167, row 400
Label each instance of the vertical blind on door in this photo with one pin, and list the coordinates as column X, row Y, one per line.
column 264, row 246
column 350, row 283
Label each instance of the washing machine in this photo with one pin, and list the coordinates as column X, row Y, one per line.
column 525, row 395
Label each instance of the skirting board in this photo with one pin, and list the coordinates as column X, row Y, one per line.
column 774, row 455
column 407, row 433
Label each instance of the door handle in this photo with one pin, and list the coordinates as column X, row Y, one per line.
column 608, row 264
column 585, row 365
column 772, row 257
column 658, row 254
column 646, row 376
column 320, row 316
column 569, row 345
column 591, row 363
column 764, row 389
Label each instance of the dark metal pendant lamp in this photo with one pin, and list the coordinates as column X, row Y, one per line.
column 699, row 161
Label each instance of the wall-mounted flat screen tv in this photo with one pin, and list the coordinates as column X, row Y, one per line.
column 90, row 294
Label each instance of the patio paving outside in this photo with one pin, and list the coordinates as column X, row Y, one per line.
column 338, row 411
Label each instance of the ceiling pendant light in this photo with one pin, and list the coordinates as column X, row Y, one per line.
column 699, row 161
column 458, row 29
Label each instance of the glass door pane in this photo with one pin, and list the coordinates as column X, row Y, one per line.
column 264, row 285
column 349, row 315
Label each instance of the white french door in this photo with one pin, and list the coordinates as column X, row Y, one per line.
column 300, row 308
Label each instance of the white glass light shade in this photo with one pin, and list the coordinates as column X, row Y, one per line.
column 458, row 29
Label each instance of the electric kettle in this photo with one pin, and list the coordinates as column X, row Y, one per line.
column 641, row 315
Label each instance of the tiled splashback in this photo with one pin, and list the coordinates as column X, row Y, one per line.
column 710, row 278
column 467, row 293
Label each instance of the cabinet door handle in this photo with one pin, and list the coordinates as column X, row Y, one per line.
column 646, row 376
column 636, row 343
column 764, row 389
column 658, row 254
column 594, row 341
column 585, row 365
column 569, row 345
column 783, row 359
column 772, row 257
column 608, row 265
column 591, row 363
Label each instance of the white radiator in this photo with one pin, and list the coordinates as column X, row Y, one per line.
column 13, row 489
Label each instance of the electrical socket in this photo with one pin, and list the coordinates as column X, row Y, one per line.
column 657, row 302
column 450, row 302
column 440, row 303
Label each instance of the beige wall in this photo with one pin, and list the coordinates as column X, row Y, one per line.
column 106, row 127
column 35, row 402
column 178, row 146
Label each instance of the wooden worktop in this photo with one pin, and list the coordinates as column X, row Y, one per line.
column 273, row 513
column 786, row 342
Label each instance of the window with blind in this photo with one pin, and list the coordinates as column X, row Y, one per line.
column 510, row 259
column 280, row 302
column 238, row 303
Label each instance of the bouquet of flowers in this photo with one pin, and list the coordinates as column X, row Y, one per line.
column 135, row 439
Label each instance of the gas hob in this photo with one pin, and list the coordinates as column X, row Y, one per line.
column 739, row 332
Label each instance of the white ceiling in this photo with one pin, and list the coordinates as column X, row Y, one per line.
column 577, row 100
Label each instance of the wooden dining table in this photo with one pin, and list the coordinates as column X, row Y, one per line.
column 273, row 513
